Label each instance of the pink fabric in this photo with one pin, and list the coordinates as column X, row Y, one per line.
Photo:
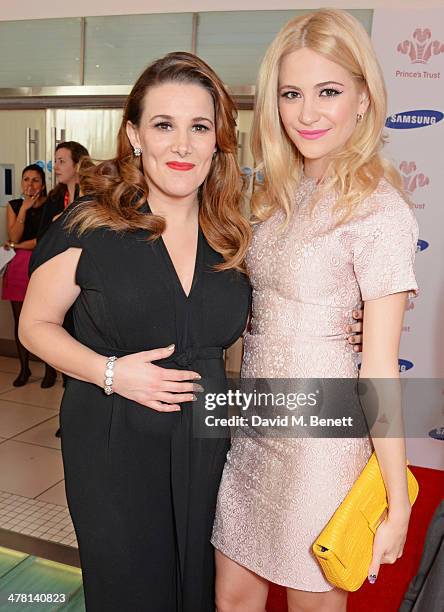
column 16, row 279
column 277, row 495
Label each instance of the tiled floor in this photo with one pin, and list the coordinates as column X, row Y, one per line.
column 36, row 518
column 32, row 493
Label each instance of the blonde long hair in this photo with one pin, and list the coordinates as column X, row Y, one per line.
column 355, row 171
column 117, row 188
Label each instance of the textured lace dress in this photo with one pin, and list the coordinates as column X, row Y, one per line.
column 277, row 494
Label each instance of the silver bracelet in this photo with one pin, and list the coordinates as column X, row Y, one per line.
column 109, row 374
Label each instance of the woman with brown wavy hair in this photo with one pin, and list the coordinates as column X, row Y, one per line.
column 151, row 256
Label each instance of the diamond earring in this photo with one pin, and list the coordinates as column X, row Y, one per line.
column 137, row 151
column 359, row 117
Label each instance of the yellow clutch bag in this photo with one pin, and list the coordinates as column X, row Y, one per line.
column 344, row 549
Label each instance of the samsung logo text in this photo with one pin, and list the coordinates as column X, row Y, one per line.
column 413, row 119
column 404, row 365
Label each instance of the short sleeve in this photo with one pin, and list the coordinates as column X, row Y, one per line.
column 385, row 246
column 55, row 241
column 16, row 205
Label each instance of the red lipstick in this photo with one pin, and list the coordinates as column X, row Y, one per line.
column 174, row 165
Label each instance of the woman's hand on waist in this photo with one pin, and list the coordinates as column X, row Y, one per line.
column 161, row 389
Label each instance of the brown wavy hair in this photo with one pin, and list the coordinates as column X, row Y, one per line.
column 118, row 188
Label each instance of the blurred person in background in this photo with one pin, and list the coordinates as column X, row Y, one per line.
column 24, row 217
column 68, row 156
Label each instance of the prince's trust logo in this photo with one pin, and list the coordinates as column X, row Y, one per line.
column 421, row 48
column 410, row 178
column 413, row 180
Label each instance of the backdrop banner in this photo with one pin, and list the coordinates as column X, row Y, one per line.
column 412, row 59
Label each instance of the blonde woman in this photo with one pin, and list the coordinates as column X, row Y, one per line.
column 333, row 228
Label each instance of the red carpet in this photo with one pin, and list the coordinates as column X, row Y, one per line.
column 386, row 595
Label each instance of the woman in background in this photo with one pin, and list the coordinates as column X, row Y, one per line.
column 23, row 221
column 68, row 156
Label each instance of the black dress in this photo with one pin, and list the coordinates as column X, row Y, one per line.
column 141, row 488
column 54, row 205
column 32, row 220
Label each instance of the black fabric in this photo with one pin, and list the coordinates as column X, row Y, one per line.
column 22, row 352
column 426, row 590
column 141, row 488
column 32, row 220
column 54, row 205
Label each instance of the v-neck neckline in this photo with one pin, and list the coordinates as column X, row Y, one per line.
column 196, row 264
column 167, row 257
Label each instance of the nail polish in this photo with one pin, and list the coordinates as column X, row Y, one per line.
column 372, row 578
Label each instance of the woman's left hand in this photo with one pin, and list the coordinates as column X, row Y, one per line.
column 7, row 245
column 389, row 543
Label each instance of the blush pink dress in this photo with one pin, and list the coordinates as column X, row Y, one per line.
column 277, row 494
